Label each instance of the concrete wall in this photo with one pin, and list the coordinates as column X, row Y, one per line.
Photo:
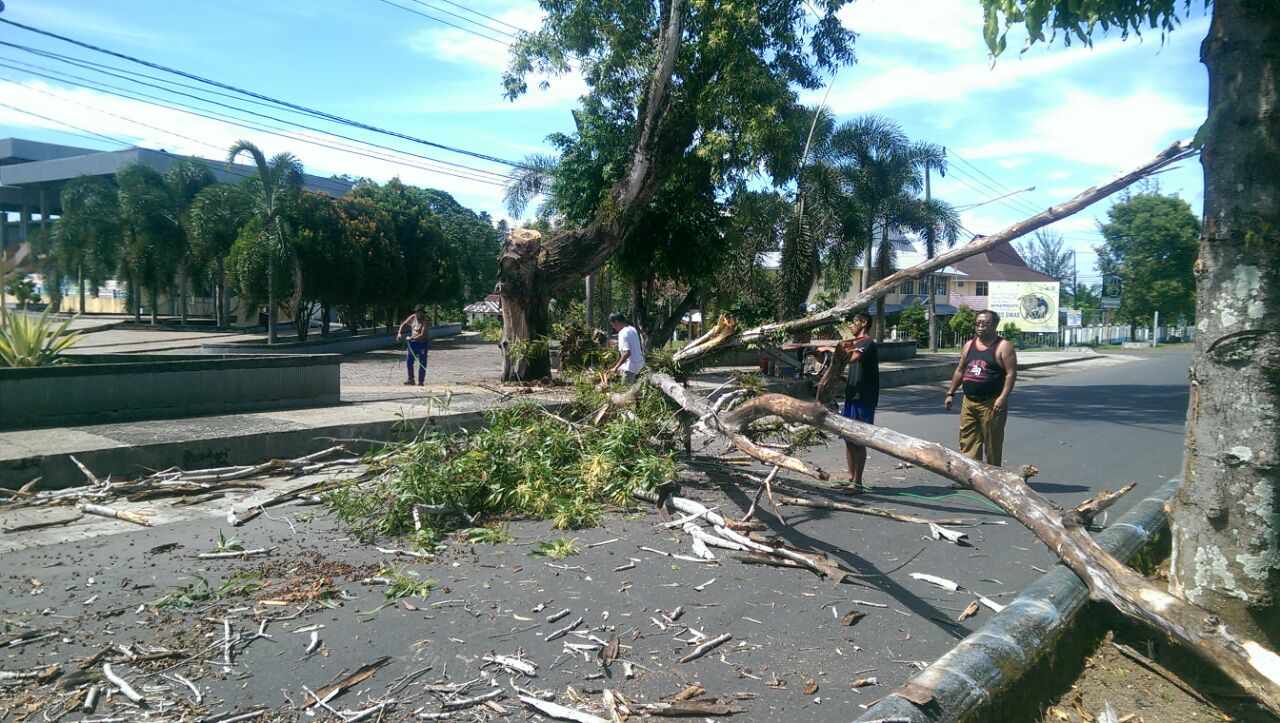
column 108, row 388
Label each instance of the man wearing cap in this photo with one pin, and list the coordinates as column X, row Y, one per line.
column 417, row 343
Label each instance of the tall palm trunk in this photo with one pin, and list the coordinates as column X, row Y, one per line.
column 182, row 293
column 224, row 300
column 80, row 273
column 271, row 306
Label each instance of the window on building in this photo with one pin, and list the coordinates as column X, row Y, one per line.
column 940, row 286
column 980, row 288
column 907, row 287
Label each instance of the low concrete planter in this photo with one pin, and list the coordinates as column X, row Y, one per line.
column 333, row 344
column 120, row 387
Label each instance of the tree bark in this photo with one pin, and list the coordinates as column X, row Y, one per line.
column 1226, row 517
column 224, row 304
column 1177, row 152
column 526, row 282
column 80, row 271
column 1245, row 660
column 271, row 306
column 182, row 294
column 662, row 330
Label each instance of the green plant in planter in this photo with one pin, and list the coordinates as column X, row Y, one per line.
column 27, row 341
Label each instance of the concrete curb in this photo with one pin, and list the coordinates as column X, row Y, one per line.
column 966, row 680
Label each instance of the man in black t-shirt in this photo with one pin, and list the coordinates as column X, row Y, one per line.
column 861, row 390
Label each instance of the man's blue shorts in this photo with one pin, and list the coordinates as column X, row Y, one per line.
column 859, row 412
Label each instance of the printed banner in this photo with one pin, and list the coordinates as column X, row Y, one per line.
column 1032, row 305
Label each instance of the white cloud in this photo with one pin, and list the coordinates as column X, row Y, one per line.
column 183, row 133
column 935, row 22
column 1100, row 130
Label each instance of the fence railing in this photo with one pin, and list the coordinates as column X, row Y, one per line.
column 1070, row 336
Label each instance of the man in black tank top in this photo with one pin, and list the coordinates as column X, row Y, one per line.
column 988, row 369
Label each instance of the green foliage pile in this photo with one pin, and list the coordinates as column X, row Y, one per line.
column 527, row 462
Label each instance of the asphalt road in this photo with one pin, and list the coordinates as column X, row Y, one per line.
column 1086, row 426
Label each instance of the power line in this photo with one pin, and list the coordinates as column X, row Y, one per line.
column 489, row 177
column 68, row 125
column 446, row 22
column 975, row 168
column 453, row 14
column 486, row 17
column 293, row 106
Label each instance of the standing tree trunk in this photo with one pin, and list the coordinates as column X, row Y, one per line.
column 325, row 310
column 271, row 306
column 135, row 296
column 182, row 294
column 1226, row 517
column 530, row 271
column 155, row 304
column 80, row 273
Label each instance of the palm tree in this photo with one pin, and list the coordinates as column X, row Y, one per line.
column 884, row 173
column 86, row 237
column 277, row 182
column 216, row 217
column 153, row 211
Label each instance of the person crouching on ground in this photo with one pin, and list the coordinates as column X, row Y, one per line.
column 631, row 352
column 861, row 389
column 417, row 343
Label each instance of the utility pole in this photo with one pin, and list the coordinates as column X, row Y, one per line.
column 928, row 279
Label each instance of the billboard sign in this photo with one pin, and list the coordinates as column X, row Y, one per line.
column 1031, row 305
column 1075, row 318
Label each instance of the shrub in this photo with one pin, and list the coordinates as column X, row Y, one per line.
column 23, row 290
column 489, row 327
column 962, row 321
column 1010, row 331
column 27, row 341
column 913, row 323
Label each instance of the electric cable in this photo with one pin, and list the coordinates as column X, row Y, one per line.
column 253, row 94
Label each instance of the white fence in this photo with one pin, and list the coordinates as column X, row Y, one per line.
column 1118, row 334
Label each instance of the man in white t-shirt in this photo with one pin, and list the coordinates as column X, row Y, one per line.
column 629, row 347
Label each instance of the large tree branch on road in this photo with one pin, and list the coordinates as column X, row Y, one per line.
column 1174, row 153
column 1247, row 662
column 697, row 406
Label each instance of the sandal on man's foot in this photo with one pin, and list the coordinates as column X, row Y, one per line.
column 409, row 383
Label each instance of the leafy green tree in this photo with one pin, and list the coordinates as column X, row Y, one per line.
column 1151, row 245
column 1226, row 540
column 913, row 322
column 332, row 268
column 962, row 321
column 153, row 208
column 666, row 83
column 276, row 184
column 1045, row 253
column 369, row 228
column 217, row 215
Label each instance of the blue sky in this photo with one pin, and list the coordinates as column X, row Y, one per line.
column 1060, row 119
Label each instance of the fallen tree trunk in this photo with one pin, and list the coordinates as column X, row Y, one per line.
column 1247, row 662
column 719, row 338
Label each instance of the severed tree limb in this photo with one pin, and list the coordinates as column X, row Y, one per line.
column 720, row 338
column 873, row 511
column 1247, row 662
column 1084, row 512
column 694, row 404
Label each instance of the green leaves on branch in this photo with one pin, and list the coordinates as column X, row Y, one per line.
column 1077, row 19
column 527, row 462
